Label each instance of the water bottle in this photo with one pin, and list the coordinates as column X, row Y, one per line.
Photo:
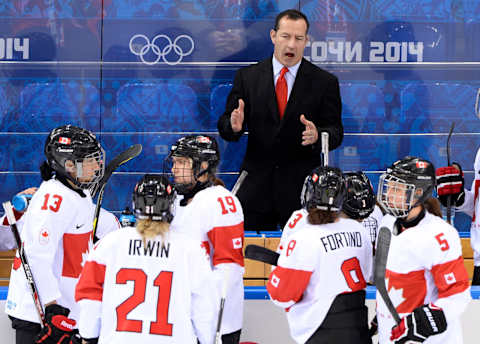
column 127, row 219
column 20, row 202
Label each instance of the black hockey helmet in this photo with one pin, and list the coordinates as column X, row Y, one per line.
column 74, row 144
column 407, row 183
column 359, row 200
column 153, row 197
column 324, row 189
column 199, row 148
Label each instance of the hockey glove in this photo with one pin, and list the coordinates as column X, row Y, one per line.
column 450, row 182
column 58, row 327
column 423, row 322
column 373, row 327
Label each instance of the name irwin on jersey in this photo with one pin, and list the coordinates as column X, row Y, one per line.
column 152, row 248
column 338, row 240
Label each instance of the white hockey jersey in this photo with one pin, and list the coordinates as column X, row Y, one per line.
column 471, row 207
column 107, row 222
column 215, row 217
column 317, row 263
column 56, row 234
column 372, row 222
column 156, row 293
column 425, row 265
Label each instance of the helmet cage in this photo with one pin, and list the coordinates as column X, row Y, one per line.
column 396, row 196
column 79, row 146
column 79, row 170
column 371, row 225
column 198, row 148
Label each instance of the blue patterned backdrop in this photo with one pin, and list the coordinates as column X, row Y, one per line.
column 407, row 70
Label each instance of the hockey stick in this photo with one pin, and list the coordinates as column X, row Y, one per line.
column 235, row 188
column 324, row 140
column 23, row 258
column 239, row 181
column 449, row 198
column 261, row 254
column 383, row 246
column 477, row 101
column 218, row 335
column 119, row 160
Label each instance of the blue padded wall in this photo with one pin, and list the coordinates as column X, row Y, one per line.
column 150, row 71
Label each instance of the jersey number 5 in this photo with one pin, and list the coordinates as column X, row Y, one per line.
column 164, row 283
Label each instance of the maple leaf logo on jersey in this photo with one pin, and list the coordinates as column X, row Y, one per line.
column 237, row 242
column 450, row 278
column 275, row 280
column 396, row 295
column 44, row 237
column 85, row 254
column 75, row 250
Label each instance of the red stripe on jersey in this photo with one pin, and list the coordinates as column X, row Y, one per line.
column 450, row 277
column 75, row 246
column 286, row 284
column 90, row 284
column 227, row 244
column 410, row 289
column 17, row 215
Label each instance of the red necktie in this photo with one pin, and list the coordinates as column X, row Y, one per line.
column 281, row 89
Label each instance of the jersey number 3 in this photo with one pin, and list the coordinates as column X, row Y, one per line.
column 164, row 283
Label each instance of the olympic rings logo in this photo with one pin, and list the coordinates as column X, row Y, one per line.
column 142, row 49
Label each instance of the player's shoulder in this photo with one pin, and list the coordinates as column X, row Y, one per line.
column 436, row 225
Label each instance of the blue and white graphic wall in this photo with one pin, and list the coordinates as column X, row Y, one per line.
column 151, row 70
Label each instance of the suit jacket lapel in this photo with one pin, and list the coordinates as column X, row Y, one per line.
column 268, row 85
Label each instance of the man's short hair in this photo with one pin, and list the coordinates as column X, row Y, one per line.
column 291, row 14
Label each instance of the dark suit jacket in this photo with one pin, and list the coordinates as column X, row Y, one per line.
column 274, row 143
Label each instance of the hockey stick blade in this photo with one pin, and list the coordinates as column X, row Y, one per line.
column 449, row 197
column 261, row 254
column 7, row 206
column 117, row 161
column 381, row 256
column 120, row 159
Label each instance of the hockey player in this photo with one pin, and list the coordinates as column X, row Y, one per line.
column 212, row 214
column 107, row 222
column 56, row 234
column 148, row 284
column 320, row 274
column 425, row 276
column 450, row 183
column 359, row 203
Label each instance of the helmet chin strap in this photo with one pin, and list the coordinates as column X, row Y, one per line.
column 404, row 223
column 199, row 186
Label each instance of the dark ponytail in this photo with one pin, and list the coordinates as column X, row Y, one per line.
column 46, row 171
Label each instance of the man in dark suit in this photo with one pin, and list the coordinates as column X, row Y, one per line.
column 284, row 102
